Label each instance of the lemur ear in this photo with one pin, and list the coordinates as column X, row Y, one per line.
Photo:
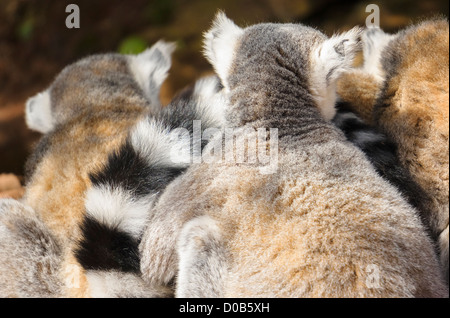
column 329, row 60
column 150, row 69
column 336, row 55
column 38, row 112
column 219, row 45
column 374, row 41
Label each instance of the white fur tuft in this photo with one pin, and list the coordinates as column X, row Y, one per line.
column 374, row 42
column 161, row 146
column 206, row 87
column 150, row 69
column 117, row 208
column 202, row 259
column 38, row 112
column 220, row 43
column 329, row 61
column 211, row 102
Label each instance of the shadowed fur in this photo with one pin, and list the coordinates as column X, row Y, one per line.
column 408, row 101
column 383, row 154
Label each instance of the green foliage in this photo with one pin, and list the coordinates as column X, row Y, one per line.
column 25, row 29
column 181, row 44
column 132, row 45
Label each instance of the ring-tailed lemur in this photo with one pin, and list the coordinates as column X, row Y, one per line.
column 86, row 114
column 402, row 89
column 380, row 156
column 106, row 248
column 324, row 224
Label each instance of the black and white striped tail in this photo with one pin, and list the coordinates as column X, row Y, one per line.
column 123, row 191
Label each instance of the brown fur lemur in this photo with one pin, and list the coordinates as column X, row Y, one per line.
column 85, row 114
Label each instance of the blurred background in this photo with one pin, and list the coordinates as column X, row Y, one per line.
column 35, row 44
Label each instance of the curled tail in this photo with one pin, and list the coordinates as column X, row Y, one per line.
column 123, row 191
column 118, row 204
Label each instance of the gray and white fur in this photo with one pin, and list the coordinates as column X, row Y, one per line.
column 30, row 255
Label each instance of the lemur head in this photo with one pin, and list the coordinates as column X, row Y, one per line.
column 267, row 52
column 101, row 81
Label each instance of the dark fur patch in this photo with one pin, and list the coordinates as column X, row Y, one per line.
column 106, row 248
column 40, row 150
column 128, row 170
